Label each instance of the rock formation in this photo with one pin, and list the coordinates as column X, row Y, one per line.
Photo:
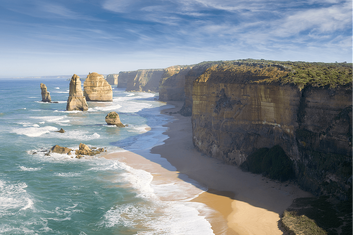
column 113, row 119
column 76, row 100
column 172, row 85
column 236, row 112
column 61, row 131
column 145, row 80
column 190, row 77
column 96, row 88
column 124, row 77
column 45, row 93
column 112, row 79
column 60, row 150
column 85, row 150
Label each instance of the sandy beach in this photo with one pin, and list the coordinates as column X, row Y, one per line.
column 243, row 203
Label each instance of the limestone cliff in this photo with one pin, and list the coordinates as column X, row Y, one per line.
column 76, row 100
column 145, row 80
column 238, row 109
column 96, row 88
column 172, row 84
column 190, row 77
column 124, row 77
column 112, row 79
column 45, row 93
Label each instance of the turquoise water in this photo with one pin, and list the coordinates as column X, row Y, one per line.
column 59, row 194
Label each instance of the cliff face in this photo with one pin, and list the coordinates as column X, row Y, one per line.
column 172, row 85
column 235, row 113
column 76, row 100
column 112, row 79
column 145, row 80
column 190, row 77
column 124, row 77
column 96, row 88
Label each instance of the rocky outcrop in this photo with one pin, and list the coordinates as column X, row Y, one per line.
column 172, row 85
column 85, row 150
column 236, row 112
column 96, row 88
column 61, row 130
column 146, row 80
column 45, row 93
column 76, row 100
column 112, row 79
column 60, row 150
column 113, row 119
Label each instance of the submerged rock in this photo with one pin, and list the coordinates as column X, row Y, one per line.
column 113, row 119
column 96, row 88
column 61, row 131
column 45, row 93
column 76, row 100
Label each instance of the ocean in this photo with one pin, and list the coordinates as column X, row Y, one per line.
column 60, row 194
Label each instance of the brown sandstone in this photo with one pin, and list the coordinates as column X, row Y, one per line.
column 45, row 93
column 96, row 88
column 76, row 100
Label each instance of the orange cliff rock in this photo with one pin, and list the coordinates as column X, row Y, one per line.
column 96, row 88
column 76, row 100
column 45, row 93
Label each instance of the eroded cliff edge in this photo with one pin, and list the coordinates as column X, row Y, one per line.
column 239, row 108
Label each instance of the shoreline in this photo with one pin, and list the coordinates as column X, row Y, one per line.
column 244, row 203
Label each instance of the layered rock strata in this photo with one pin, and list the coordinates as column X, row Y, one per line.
column 172, row 85
column 76, row 100
column 112, row 79
column 96, row 88
column 124, row 77
column 146, row 80
column 45, row 93
column 233, row 115
column 190, row 77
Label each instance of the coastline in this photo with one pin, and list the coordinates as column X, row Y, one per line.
column 243, row 203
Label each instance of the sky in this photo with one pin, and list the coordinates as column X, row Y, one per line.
column 63, row 37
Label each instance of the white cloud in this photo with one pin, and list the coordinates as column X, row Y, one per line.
column 58, row 10
column 322, row 20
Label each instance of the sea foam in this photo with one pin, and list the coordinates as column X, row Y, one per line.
column 34, row 131
column 13, row 197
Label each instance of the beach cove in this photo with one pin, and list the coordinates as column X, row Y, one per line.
column 151, row 181
column 242, row 203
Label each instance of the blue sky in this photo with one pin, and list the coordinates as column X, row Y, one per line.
column 63, row 37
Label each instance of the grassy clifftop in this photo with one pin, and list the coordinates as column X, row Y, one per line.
column 299, row 73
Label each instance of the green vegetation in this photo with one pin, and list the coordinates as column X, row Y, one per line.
column 301, row 224
column 112, row 115
column 298, row 73
column 272, row 163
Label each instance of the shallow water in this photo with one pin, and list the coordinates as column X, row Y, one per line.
column 59, row 194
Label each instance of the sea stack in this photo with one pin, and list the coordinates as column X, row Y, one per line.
column 113, row 119
column 76, row 100
column 96, row 88
column 45, row 93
